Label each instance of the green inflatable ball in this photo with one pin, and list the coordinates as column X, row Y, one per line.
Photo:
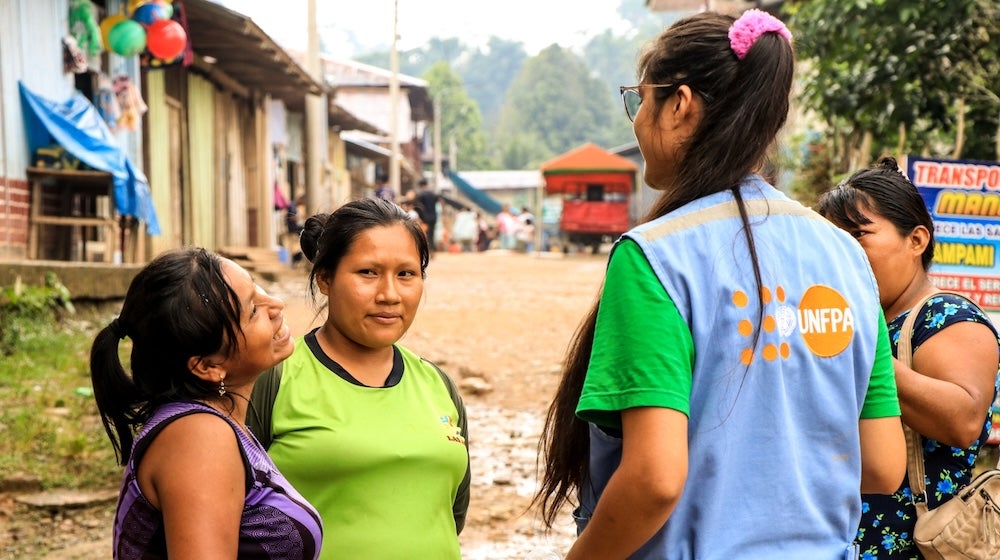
column 127, row 38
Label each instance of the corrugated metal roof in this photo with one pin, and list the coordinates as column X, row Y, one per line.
column 495, row 180
column 351, row 74
column 244, row 52
column 343, row 119
column 366, row 149
column 354, row 73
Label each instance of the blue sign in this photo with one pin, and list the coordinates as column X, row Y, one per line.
column 963, row 197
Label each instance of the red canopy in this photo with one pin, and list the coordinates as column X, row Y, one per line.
column 588, row 164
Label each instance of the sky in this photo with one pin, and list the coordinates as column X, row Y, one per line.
column 344, row 24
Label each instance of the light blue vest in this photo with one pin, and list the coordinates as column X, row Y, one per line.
column 774, row 451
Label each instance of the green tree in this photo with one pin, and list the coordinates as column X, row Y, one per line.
column 523, row 151
column 458, row 116
column 555, row 100
column 897, row 76
column 488, row 72
column 418, row 61
column 611, row 59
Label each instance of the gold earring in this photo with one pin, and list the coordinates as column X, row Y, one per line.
column 222, row 386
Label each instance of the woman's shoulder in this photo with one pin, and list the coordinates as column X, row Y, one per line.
column 953, row 307
column 189, row 415
column 417, row 365
column 946, row 309
column 191, row 428
column 413, row 360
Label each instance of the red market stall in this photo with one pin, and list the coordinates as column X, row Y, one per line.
column 595, row 187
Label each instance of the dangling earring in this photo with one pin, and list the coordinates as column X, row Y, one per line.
column 222, row 385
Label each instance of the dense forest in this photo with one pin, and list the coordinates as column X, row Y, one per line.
column 919, row 77
column 508, row 110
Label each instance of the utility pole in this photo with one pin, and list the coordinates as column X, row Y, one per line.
column 437, row 143
column 394, row 181
column 452, row 153
column 317, row 123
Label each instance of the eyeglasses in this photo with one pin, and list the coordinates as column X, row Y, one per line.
column 633, row 99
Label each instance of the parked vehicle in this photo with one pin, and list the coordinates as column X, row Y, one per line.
column 596, row 187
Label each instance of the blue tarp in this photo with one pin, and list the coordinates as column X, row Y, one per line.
column 478, row 197
column 79, row 129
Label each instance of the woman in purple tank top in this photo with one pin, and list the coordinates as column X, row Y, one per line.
column 196, row 484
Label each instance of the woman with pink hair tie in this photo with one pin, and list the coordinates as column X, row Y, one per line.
column 732, row 388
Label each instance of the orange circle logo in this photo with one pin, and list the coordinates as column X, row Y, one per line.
column 825, row 321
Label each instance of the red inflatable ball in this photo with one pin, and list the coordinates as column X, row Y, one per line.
column 166, row 39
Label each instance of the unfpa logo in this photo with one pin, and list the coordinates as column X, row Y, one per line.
column 772, row 323
column 823, row 318
column 826, row 321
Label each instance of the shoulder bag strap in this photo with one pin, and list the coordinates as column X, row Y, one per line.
column 914, row 451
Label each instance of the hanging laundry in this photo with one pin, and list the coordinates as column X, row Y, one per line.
column 107, row 102
column 129, row 101
column 280, row 200
column 73, row 59
column 83, row 26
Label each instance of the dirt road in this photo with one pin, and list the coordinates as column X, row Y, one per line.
column 497, row 321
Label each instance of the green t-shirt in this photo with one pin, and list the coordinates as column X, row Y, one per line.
column 382, row 465
column 643, row 353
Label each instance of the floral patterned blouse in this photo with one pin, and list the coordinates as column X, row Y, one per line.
column 887, row 521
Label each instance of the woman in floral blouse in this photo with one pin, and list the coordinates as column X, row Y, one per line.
column 946, row 396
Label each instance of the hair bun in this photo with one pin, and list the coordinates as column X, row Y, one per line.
column 888, row 163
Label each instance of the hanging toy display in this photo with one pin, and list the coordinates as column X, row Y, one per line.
column 150, row 12
column 107, row 24
column 167, row 5
column 166, row 39
column 84, row 28
column 156, row 30
column 166, row 33
column 127, row 38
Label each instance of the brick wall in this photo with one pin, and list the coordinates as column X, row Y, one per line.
column 14, row 217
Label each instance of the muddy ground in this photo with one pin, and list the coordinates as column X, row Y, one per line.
column 499, row 323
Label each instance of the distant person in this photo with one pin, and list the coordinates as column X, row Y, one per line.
column 384, row 190
column 524, row 236
column 732, row 388
column 486, row 235
column 413, row 208
column 294, row 218
column 428, row 201
column 372, row 434
column 427, row 206
column 409, row 204
column 465, row 229
column 507, row 227
column 947, row 394
column 294, row 215
column 197, row 484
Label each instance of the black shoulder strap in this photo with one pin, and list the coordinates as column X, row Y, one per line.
column 462, row 497
column 265, row 389
column 456, row 398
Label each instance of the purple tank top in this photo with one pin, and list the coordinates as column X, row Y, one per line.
column 277, row 523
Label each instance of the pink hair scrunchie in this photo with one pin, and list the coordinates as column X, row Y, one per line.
column 750, row 26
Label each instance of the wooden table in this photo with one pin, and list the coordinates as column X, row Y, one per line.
column 78, row 200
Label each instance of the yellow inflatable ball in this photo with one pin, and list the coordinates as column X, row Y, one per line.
column 107, row 24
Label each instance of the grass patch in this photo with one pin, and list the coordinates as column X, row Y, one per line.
column 49, row 417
